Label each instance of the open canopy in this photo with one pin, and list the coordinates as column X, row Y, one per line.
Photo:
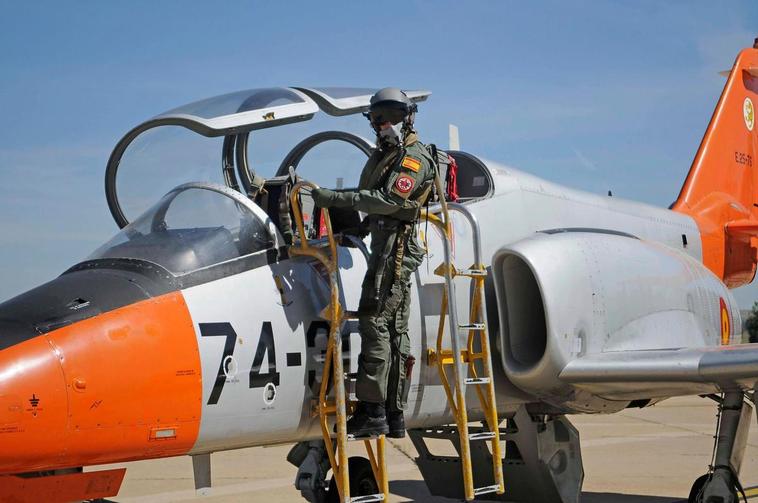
column 232, row 116
column 268, row 107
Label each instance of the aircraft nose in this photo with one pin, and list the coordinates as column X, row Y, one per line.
column 120, row 385
column 33, row 405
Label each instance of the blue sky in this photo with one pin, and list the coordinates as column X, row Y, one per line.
column 595, row 95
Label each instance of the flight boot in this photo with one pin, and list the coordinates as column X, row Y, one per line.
column 369, row 420
column 396, row 423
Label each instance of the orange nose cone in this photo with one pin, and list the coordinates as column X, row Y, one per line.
column 33, row 407
column 119, row 386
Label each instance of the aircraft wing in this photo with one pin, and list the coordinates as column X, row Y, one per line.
column 638, row 374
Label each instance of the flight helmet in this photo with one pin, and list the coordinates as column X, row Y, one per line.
column 391, row 105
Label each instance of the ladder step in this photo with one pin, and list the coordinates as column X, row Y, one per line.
column 367, row 499
column 473, row 326
column 472, row 273
column 486, row 490
column 484, row 435
column 353, row 438
column 477, row 380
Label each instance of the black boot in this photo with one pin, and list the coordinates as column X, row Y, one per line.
column 396, row 423
column 369, row 420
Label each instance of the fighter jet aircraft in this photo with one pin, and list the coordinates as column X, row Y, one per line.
column 202, row 325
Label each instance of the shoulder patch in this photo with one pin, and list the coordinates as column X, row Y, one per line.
column 411, row 163
column 403, row 186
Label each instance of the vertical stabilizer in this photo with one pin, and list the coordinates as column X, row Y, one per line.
column 721, row 189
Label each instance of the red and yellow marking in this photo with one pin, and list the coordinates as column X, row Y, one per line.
column 411, row 163
column 724, row 322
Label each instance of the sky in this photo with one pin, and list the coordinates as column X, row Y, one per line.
column 594, row 95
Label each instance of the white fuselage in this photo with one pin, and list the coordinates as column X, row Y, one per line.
column 248, row 414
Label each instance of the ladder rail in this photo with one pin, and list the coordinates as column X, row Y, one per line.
column 486, row 397
column 333, row 362
column 440, row 361
column 459, row 409
column 477, row 308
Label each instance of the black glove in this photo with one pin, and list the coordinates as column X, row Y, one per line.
column 361, row 230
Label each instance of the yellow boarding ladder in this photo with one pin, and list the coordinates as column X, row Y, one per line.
column 471, row 366
column 336, row 405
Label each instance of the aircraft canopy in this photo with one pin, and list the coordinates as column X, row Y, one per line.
column 195, row 226
column 268, row 107
column 232, row 116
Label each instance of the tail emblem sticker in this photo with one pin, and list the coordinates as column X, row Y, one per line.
column 748, row 111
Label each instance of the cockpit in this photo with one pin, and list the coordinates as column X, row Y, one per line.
column 187, row 195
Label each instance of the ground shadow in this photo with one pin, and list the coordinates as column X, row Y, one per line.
column 628, row 498
column 416, row 490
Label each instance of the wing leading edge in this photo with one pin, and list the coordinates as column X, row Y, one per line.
column 628, row 375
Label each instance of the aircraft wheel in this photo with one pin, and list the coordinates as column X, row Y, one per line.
column 696, row 493
column 362, row 481
column 697, row 488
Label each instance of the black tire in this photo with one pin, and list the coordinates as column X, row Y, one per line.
column 699, row 485
column 697, row 488
column 362, row 481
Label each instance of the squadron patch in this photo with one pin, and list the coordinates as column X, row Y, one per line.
column 403, row 185
column 411, row 163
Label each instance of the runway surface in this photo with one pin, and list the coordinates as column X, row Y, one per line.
column 637, row 456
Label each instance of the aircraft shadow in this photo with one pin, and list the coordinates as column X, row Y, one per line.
column 415, row 490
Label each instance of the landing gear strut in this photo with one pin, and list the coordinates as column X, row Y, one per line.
column 313, row 464
column 721, row 484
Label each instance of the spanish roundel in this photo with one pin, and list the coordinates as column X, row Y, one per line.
column 724, row 322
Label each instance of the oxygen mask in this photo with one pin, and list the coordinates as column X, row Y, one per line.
column 391, row 135
column 388, row 122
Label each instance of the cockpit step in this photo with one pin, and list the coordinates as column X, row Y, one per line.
column 477, row 380
column 353, row 438
column 472, row 326
column 484, row 435
column 478, row 491
column 471, row 273
column 367, row 498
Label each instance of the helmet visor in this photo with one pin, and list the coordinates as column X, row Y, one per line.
column 383, row 113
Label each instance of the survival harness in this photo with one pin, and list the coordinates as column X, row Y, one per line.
column 442, row 166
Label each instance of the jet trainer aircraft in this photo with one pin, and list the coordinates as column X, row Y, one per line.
column 220, row 317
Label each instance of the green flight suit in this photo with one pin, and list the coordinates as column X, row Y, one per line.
column 393, row 186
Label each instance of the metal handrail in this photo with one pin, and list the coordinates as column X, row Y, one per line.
column 487, row 401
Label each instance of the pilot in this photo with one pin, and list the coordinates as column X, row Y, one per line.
column 394, row 185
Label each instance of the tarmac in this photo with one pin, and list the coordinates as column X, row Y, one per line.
column 649, row 455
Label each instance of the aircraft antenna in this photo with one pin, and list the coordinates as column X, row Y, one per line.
column 454, row 142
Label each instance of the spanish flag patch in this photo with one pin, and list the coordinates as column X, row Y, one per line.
column 411, row 163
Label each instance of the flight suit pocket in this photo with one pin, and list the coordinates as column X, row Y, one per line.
column 394, row 299
column 404, row 366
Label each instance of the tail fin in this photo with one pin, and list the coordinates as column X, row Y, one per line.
column 721, row 190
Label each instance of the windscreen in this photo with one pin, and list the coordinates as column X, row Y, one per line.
column 160, row 159
column 188, row 229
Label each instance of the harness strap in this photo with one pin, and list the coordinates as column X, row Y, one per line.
column 256, row 186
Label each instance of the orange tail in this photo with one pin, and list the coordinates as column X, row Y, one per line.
column 721, row 190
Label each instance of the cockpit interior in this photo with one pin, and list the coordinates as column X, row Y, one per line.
column 227, row 210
